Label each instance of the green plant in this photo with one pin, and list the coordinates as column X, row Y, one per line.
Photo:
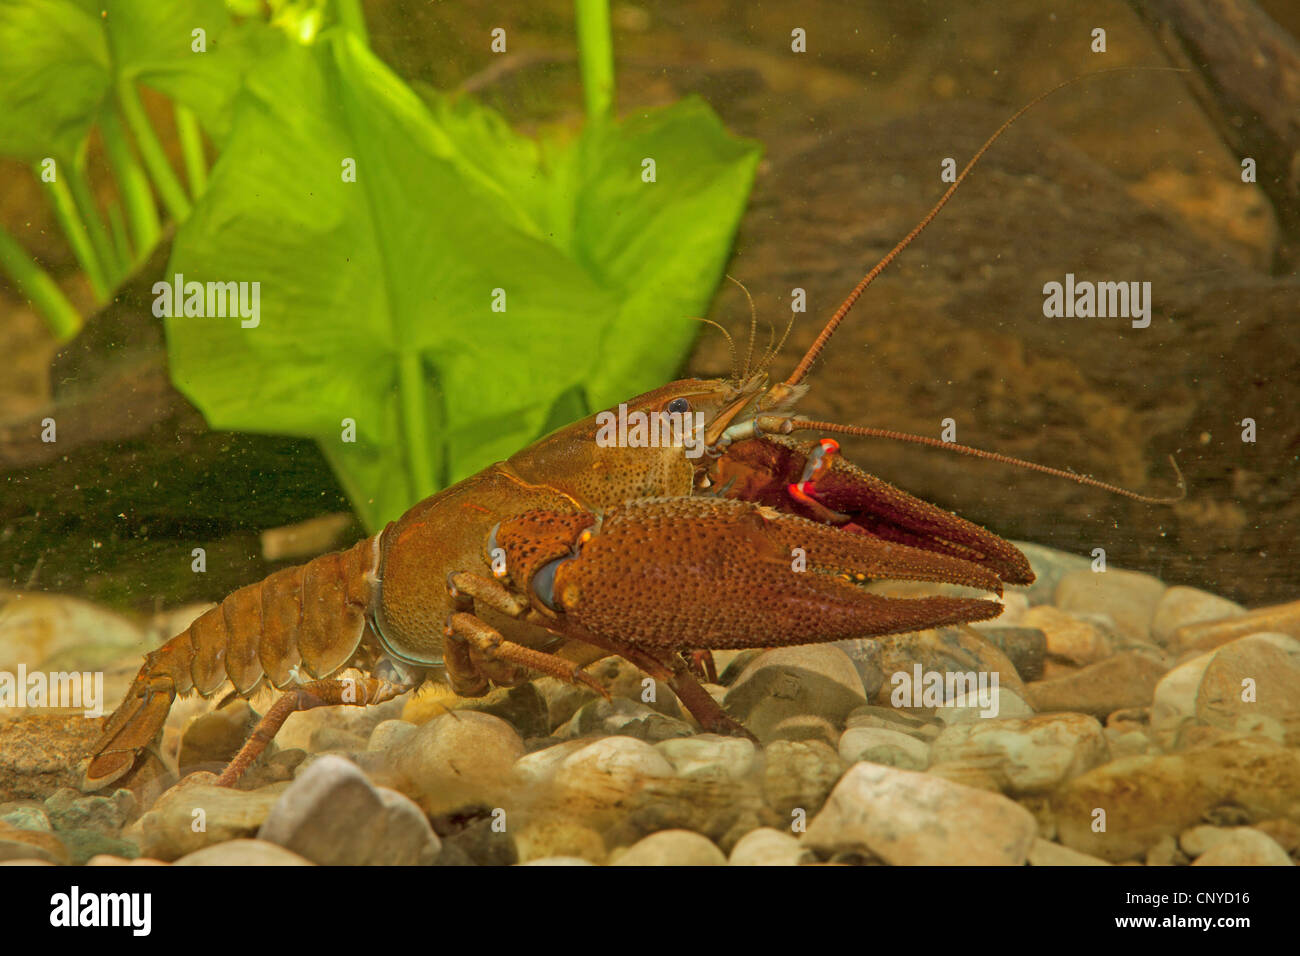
column 453, row 288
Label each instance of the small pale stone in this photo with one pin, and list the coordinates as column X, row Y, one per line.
column 1049, row 566
column 1002, row 702
column 907, row 818
column 189, row 817
column 558, row 861
column 622, row 717
column 539, row 768
column 1020, row 755
column 672, row 848
column 1165, row 852
column 1240, row 846
column 710, row 755
column 798, row 775
column 958, row 656
column 1129, row 597
column 1183, row 605
column 1046, row 853
column 332, row 815
column 768, row 847
column 457, row 760
column 600, row 780
column 108, row 859
column 1069, row 638
column 243, row 853
column 212, row 738
column 880, row 745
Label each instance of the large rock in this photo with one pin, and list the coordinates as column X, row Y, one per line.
column 333, row 816
column 1147, row 798
column 906, row 818
column 1251, row 685
column 1126, row 680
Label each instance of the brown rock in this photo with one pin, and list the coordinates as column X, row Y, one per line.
column 1126, row 680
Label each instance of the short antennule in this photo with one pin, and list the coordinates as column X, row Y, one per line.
column 800, row 424
column 805, row 364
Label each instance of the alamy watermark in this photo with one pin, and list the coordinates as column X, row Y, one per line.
column 82, row 690
column 922, row 688
column 213, row 300
column 1085, row 299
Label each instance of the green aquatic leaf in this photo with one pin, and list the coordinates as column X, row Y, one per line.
column 62, row 58
column 377, row 296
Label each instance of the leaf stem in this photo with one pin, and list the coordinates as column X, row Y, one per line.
column 415, row 424
column 196, row 163
column 137, row 197
column 84, row 199
column 352, row 18
column 595, row 56
column 151, row 151
column 41, row 290
column 65, row 211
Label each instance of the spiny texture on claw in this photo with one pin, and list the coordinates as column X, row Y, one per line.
column 682, row 573
column 762, row 470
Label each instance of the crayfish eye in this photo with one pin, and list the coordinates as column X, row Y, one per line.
column 679, row 406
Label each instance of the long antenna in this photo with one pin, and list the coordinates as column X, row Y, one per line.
column 800, row 424
column 805, row 364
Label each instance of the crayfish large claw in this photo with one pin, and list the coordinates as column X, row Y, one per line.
column 721, row 573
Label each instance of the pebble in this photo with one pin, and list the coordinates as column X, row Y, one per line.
column 798, row 776
column 905, row 818
column 1069, row 638
column 1046, row 853
column 1025, row 646
column 243, row 853
column 460, row 759
column 536, row 771
column 558, row 838
column 818, row 679
column 558, row 861
column 1002, row 702
column 1146, row 798
column 17, row 844
column 708, row 756
column 1207, row 635
column 1129, row 597
column 880, row 745
column 69, row 809
column 945, row 650
column 1181, row 606
column 333, row 816
column 1234, row 846
column 389, row 734
column 603, row 780
column 623, row 717
column 26, row 818
column 671, row 848
column 211, row 739
column 35, row 749
column 768, row 847
column 1126, row 680
column 1212, row 690
column 194, row 815
column 108, row 859
column 1020, row 755
column 913, row 723
column 1049, row 566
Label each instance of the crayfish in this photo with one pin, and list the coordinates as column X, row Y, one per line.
column 574, row 549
